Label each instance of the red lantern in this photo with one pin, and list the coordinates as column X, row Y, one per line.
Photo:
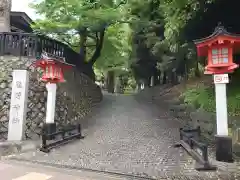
column 219, row 48
column 52, row 68
column 53, row 72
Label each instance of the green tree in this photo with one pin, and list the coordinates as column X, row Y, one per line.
column 164, row 35
column 81, row 24
column 116, row 49
column 99, row 30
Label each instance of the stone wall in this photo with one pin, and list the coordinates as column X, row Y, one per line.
column 74, row 101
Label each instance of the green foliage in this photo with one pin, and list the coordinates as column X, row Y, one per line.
column 159, row 27
column 62, row 16
column 200, row 97
column 116, row 49
column 234, row 101
column 192, row 72
column 82, row 23
column 146, row 30
column 204, row 97
column 132, row 83
column 126, row 80
column 177, row 14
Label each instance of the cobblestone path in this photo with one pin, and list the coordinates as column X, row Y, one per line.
column 128, row 136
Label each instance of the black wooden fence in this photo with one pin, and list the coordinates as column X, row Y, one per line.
column 190, row 141
column 32, row 45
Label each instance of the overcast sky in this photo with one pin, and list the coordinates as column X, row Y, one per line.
column 22, row 5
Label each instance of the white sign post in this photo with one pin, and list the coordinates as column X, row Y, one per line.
column 223, row 141
column 18, row 107
column 220, row 81
column 50, row 125
column 51, row 102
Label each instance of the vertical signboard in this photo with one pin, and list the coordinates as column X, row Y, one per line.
column 18, row 106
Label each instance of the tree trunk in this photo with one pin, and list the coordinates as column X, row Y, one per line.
column 156, row 80
column 197, row 73
column 164, row 78
column 149, row 81
column 99, row 46
column 110, row 84
column 186, row 72
column 97, row 53
column 105, row 81
column 118, row 85
column 82, row 43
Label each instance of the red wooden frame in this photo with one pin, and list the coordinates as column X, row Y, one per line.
column 218, row 43
column 219, row 39
column 53, row 73
column 56, row 73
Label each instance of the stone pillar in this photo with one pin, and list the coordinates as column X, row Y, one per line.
column 18, row 109
column 5, row 9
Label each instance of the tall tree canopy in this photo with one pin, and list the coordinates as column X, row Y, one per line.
column 82, row 24
column 154, row 36
column 162, row 46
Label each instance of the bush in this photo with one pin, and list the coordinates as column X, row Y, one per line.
column 204, row 97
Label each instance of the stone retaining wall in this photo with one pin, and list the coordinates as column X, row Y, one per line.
column 74, row 99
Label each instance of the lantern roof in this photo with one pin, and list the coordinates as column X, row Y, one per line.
column 47, row 58
column 51, row 57
column 219, row 31
column 219, row 36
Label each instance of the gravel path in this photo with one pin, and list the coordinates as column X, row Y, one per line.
column 127, row 136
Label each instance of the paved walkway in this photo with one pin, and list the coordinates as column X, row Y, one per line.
column 128, row 137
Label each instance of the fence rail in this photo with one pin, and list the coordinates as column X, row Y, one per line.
column 190, row 141
column 32, row 45
column 66, row 135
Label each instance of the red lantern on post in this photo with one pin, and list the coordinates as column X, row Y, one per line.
column 52, row 68
column 219, row 48
column 52, row 74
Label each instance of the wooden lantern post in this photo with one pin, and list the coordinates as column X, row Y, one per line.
column 219, row 48
column 52, row 74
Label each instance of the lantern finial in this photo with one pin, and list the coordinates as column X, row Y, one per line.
column 220, row 28
column 219, row 23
